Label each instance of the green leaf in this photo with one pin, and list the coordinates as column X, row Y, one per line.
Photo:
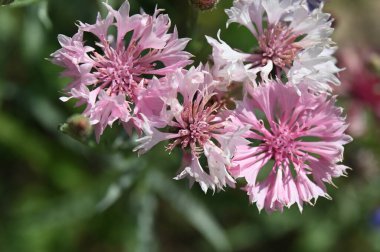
column 192, row 210
column 145, row 219
column 114, row 191
column 21, row 3
column 5, row 2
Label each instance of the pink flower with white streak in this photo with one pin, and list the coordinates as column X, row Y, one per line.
column 297, row 140
column 110, row 77
column 292, row 41
column 194, row 121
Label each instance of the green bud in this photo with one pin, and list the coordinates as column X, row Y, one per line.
column 78, row 127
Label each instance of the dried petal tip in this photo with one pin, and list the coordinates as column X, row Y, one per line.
column 204, row 4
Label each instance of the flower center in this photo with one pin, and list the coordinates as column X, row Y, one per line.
column 277, row 44
column 195, row 133
column 113, row 73
column 195, row 127
column 117, row 71
column 281, row 143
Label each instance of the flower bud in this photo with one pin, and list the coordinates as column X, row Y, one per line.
column 204, row 4
column 78, row 127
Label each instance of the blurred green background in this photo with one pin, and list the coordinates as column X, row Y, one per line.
column 57, row 194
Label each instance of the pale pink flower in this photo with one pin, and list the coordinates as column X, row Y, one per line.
column 194, row 121
column 292, row 41
column 297, row 140
column 110, row 77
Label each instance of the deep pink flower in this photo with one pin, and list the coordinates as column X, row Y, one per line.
column 360, row 86
column 194, row 121
column 297, row 140
column 110, row 77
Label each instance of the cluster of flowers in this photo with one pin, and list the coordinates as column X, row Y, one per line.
column 265, row 117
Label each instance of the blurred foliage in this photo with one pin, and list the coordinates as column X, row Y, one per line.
column 57, row 194
column 5, row 2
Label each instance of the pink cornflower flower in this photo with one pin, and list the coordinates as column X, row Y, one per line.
column 196, row 123
column 109, row 77
column 296, row 140
column 292, row 41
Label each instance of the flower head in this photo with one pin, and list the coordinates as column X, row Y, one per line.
column 298, row 140
column 196, row 123
column 109, row 77
column 291, row 40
